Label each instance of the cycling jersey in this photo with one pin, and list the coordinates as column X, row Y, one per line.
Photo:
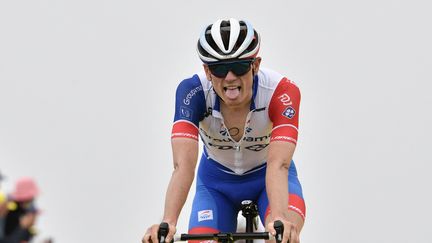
column 273, row 116
column 232, row 171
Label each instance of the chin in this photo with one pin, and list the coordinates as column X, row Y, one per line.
column 236, row 102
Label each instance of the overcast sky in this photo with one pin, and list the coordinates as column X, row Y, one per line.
column 87, row 100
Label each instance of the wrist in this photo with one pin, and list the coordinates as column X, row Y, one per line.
column 273, row 216
column 170, row 221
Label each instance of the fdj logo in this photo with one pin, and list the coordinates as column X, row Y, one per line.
column 285, row 99
column 205, row 215
column 289, row 112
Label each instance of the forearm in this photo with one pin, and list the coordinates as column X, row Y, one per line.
column 277, row 188
column 185, row 154
column 176, row 195
column 279, row 161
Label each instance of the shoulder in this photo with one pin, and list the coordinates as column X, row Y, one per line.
column 272, row 85
column 272, row 79
column 196, row 80
column 269, row 78
column 189, row 83
column 192, row 85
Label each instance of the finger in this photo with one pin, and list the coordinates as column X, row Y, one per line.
column 171, row 232
column 270, row 228
column 154, row 236
column 146, row 238
column 294, row 237
column 287, row 233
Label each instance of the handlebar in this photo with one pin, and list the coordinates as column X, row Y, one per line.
column 221, row 236
column 225, row 237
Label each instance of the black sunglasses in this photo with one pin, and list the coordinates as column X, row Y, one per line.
column 239, row 67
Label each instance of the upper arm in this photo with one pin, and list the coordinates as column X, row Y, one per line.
column 189, row 109
column 284, row 112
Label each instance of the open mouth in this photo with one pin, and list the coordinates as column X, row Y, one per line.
column 231, row 88
column 232, row 92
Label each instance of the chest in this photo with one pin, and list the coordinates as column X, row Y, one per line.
column 221, row 131
column 235, row 122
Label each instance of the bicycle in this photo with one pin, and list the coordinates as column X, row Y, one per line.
column 249, row 211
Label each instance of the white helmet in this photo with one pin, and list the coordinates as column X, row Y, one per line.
column 228, row 39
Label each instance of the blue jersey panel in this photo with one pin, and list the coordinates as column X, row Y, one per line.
column 190, row 101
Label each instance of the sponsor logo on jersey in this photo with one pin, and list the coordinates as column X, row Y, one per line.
column 285, row 99
column 205, row 215
column 186, row 112
column 289, row 112
column 191, row 94
column 223, row 132
column 257, row 147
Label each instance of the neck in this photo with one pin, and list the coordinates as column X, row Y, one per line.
column 235, row 108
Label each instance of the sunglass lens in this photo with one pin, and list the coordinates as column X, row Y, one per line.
column 219, row 70
column 239, row 68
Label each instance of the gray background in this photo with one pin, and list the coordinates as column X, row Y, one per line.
column 87, row 97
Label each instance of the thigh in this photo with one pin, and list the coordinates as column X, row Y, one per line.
column 211, row 212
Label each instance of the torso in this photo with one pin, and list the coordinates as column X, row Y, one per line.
column 235, row 121
column 237, row 139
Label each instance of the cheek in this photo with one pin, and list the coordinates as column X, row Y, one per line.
column 218, row 88
column 248, row 85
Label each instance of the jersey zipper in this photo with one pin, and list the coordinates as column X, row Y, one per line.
column 238, row 156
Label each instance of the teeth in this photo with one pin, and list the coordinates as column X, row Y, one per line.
column 231, row 88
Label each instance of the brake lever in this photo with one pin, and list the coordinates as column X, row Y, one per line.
column 279, row 227
column 163, row 232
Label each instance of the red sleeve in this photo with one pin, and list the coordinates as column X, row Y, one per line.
column 284, row 111
column 184, row 129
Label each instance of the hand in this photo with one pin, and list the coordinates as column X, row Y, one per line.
column 27, row 220
column 290, row 232
column 151, row 236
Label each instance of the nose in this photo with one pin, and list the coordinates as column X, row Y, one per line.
column 230, row 76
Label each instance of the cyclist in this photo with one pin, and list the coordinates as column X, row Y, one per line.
column 247, row 118
column 22, row 214
column 3, row 208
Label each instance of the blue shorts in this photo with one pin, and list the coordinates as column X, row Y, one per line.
column 219, row 195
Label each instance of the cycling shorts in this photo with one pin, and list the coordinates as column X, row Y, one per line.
column 219, row 193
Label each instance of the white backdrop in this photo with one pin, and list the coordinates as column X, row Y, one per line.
column 87, row 97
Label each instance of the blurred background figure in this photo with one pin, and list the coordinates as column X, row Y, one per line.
column 19, row 212
column 3, row 208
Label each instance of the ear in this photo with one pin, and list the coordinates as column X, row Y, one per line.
column 256, row 64
column 207, row 72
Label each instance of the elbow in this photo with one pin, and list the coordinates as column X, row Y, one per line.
column 283, row 164
column 279, row 163
column 184, row 169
